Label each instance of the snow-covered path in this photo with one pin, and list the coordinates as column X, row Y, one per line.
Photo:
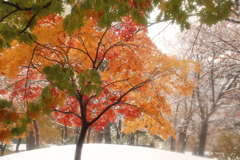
column 100, row 152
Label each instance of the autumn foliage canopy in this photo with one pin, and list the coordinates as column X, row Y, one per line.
column 89, row 77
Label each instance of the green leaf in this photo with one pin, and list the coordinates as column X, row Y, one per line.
column 24, row 38
column 86, row 5
column 35, row 8
column 25, row 120
column 46, row 93
column 5, row 103
column 56, row 7
column 107, row 19
column 33, row 107
column 18, row 131
column 8, row 32
column 75, row 20
column 60, row 77
column 138, row 17
column 46, row 111
column 2, row 42
column 90, row 82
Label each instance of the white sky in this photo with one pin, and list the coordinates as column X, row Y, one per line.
column 164, row 35
column 100, row 152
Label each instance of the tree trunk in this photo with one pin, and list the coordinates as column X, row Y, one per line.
column 88, row 135
column 203, row 138
column 107, row 133
column 4, row 146
column 64, row 135
column 30, row 141
column 100, row 136
column 36, row 134
column 137, row 138
column 18, row 144
column 131, row 138
column 182, row 142
column 79, row 145
column 172, row 148
column 77, row 133
column 118, row 129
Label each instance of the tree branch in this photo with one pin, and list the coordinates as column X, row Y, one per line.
column 97, row 50
column 8, row 15
column 18, row 8
column 28, row 68
column 29, row 22
column 232, row 20
column 69, row 112
column 119, row 100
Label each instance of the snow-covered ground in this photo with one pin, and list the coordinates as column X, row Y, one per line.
column 22, row 147
column 100, row 152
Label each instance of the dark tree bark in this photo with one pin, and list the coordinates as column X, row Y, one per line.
column 119, row 127
column 182, row 137
column 36, row 134
column 203, row 138
column 182, row 142
column 172, row 147
column 77, row 133
column 107, row 133
column 137, row 138
column 131, row 138
column 18, row 144
column 100, row 136
column 64, row 135
column 3, row 148
column 88, row 135
column 30, row 141
column 79, row 145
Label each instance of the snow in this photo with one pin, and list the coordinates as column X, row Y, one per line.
column 22, row 147
column 100, row 152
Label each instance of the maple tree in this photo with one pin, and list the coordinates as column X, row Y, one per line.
column 16, row 116
column 18, row 17
column 87, row 77
column 12, row 123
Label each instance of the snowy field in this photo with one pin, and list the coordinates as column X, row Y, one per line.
column 22, row 147
column 100, row 152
